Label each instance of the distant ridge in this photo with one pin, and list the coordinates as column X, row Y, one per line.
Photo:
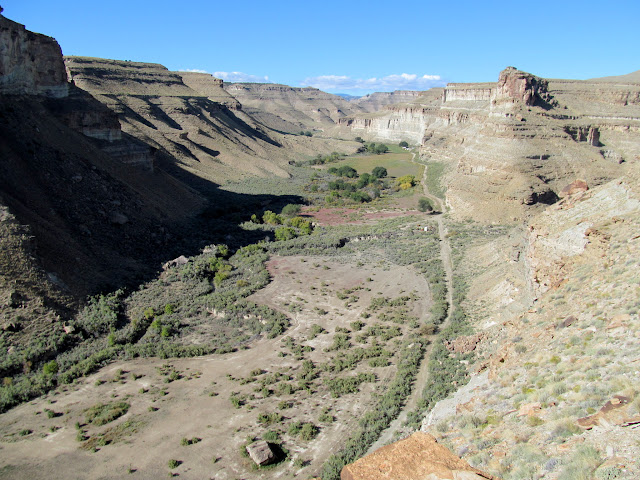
column 347, row 96
column 633, row 77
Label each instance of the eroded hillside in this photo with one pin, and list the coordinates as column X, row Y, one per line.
column 518, row 142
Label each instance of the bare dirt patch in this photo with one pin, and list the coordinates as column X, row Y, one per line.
column 190, row 399
column 343, row 215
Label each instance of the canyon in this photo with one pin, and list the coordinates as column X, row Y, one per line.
column 518, row 142
column 120, row 181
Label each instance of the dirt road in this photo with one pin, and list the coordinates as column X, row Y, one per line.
column 423, row 374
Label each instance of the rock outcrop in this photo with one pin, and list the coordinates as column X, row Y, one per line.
column 212, row 87
column 261, row 453
column 515, row 86
column 567, row 229
column 204, row 127
column 508, row 148
column 417, row 457
column 30, row 63
column 397, row 122
column 378, row 100
column 291, row 109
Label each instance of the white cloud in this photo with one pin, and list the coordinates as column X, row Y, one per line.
column 231, row 76
column 404, row 81
column 240, row 77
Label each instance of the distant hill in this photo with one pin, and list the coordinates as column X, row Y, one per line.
column 346, row 96
column 633, row 77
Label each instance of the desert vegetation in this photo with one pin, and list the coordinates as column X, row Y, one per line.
column 211, row 304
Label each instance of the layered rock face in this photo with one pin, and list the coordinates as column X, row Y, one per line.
column 212, row 87
column 204, row 127
column 72, row 180
column 475, row 92
column 397, row 122
column 378, row 100
column 291, row 109
column 516, row 87
column 511, row 146
column 30, row 63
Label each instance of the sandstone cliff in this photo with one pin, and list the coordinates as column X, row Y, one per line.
column 212, row 87
column 378, row 100
column 205, row 129
column 516, row 142
column 397, row 122
column 291, row 109
column 30, row 63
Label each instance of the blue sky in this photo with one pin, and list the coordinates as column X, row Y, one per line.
column 347, row 46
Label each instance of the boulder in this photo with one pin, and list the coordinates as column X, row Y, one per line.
column 574, row 187
column 567, row 322
column 419, row 456
column 530, row 409
column 261, row 453
column 615, row 412
column 176, row 262
column 465, row 344
column 118, row 218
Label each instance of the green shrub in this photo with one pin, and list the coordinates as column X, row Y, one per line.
column 100, row 316
column 285, row 233
column 271, row 437
column 425, row 205
column 379, row 172
column 103, row 413
column 291, row 210
column 50, row 368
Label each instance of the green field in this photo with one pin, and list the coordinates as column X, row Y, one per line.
column 397, row 164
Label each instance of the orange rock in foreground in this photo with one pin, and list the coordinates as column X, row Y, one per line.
column 418, row 457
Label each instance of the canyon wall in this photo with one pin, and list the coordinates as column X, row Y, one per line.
column 397, row 122
column 30, row 63
column 204, row 127
column 510, row 147
column 212, row 87
column 291, row 109
column 378, row 100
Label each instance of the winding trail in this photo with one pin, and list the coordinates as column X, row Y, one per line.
column 423, row 374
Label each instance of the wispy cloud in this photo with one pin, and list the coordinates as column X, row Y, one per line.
column 404, row 81
column 231, row 76
column 240, row 77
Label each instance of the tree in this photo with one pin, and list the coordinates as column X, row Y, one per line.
column 364, row 180
column 50, row 368
column 361, row 197
column 359, row 139
column 381, row 148
column 379, row 172
column 347, row 171
column 425, row 205
column 405, row 182
column 403, row 144
column 285, row 233
column 291, row 210
column 271, row 218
